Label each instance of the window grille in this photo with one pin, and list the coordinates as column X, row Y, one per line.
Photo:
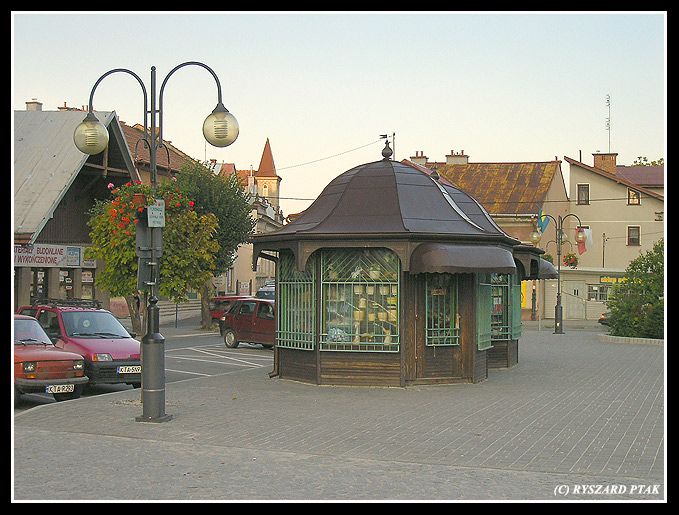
column 360, row 300
column 442, row 312
column 296, row 314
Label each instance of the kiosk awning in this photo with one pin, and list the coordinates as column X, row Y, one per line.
column 454, row 258
column 547, row 270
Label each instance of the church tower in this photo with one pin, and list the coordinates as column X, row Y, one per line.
column 268, row 182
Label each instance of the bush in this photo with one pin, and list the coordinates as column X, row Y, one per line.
column 637, row 303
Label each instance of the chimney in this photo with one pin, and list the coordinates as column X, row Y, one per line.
column 457, row 159
column 34, row 105
column 419, row 158
column 605, row 162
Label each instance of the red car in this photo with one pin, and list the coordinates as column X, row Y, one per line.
column 249, row 320
column 39, row 367
column 220, row 305
column 111, row 354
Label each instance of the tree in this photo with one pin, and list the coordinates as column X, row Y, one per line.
column 189, row 243
column 642, row 161
column 225, row 198
column 638, row 303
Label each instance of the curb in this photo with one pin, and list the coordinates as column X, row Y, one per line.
column 626, row 339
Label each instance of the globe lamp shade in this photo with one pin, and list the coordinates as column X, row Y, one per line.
column 91, row 137
column 221, row 127
column 580, row 236
column 535, row 237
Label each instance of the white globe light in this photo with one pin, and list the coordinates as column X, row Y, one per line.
column 91, row 137
column 221, row 127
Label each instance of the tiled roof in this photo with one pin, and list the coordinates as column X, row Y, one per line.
column 646, row 176
column 504, row 188
column 136, row 132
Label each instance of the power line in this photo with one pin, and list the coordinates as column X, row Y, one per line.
column 324, row 158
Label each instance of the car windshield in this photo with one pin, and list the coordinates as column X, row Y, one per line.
column 29, row 332
column 93, row 324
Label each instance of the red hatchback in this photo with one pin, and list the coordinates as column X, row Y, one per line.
column 111, row 354
column 249, row 320
column 40, row 367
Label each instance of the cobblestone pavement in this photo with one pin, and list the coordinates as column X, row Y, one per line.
column 577, row 419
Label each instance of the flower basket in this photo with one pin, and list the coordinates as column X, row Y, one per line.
column 139, row 200
column 570, row 260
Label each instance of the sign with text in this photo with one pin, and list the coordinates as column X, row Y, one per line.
column 156, row 214
column 42, row 255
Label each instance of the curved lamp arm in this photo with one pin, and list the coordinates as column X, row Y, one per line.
column 91, row 137
column 220, row 127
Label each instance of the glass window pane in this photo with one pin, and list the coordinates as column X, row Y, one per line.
column 360, row 300
column 443, row 318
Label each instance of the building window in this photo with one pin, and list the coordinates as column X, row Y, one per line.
column 597, row 292
column 583, row 194
column 360, row 300
column 633, row 235
column 443, row 317
column 633, row 197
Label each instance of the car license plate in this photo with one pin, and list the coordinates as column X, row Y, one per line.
column 129, row 369
column 59, row 388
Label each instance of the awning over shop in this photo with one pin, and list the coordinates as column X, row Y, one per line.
column 454, row 258
column 547, row 270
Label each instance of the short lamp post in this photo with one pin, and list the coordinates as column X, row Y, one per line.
column 91, row 137
column 561, row 238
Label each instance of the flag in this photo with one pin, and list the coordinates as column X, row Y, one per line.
column 588, row 243
column 543, row 221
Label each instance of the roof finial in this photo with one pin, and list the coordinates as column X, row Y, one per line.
column 386, row 151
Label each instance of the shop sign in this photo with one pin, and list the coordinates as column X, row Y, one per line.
column 607, row 279
column 40, row 255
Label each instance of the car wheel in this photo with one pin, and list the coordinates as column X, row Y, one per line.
column 230, row 339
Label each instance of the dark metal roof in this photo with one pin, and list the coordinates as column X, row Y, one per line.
column 431, row 225
column 390, row 199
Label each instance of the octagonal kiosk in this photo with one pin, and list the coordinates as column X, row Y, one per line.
column 391, row 277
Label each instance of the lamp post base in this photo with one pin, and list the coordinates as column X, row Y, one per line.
column 163, row 418
column 558, row 319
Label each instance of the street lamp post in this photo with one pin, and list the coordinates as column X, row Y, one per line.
column 561, row 238
column 91, row 137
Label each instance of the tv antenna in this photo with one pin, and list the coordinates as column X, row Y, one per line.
column 608, row 121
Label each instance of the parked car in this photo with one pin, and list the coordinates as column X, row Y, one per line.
column 605, row 318
column 268, row 291
column 219, row 305
column 111, row 354
column 250, row 320
column 40, row 367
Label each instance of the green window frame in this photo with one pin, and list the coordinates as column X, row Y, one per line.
column 442, row 310
column 483, row 317
column 499, row 309
column 296, row 314
column 515, row 305
column 360, row 300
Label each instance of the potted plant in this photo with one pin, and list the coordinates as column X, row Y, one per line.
column 571, row 260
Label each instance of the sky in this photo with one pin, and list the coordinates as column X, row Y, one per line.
column 324, row 86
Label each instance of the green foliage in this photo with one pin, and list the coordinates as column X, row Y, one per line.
column 637, row 304
column 643, row 161
column 224, row 197
column 189, row 243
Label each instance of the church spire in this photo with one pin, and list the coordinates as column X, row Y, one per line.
column 267, row 168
